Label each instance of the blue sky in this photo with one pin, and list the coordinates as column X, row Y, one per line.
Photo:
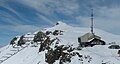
column 18, row 17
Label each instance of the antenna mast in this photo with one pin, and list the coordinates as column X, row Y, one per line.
column 92, row 21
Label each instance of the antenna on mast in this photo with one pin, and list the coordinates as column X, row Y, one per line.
column 92, row 21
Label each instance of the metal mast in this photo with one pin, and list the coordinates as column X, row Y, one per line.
column 92, row 21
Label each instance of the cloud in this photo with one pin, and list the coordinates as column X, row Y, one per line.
column 11, row 17
column 49, row 6
column 84, row 20
column 45, row 19
column 79, row 10
column 8, row 16
column 25, row 28
column 20, row 28
column 108, row 16
column 104, row 18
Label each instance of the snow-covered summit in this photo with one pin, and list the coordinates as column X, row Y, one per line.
column 79, row 31
column 60, row 25
column 59, row 44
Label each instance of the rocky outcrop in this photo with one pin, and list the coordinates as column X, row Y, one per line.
column 21, row 41
column 13, row 41
column 39, row 37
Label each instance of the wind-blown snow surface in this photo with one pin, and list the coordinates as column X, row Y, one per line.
column 99, row 54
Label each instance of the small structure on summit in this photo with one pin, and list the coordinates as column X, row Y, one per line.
column 114, row 47
column 90, row 39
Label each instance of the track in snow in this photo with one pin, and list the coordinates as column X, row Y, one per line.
column 9, row 55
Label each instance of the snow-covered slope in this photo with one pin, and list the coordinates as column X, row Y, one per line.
column 29, row 53
column 72, row 33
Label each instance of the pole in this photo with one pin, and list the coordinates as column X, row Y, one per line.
column 92, row 21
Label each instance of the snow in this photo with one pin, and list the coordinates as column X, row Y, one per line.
column 29, row 37
column 103, row 53
column 29, row 55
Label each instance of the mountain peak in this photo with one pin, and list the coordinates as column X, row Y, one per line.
column 60, row 43
column 60, row 23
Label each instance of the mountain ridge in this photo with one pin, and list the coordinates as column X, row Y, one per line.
column 59, row 45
